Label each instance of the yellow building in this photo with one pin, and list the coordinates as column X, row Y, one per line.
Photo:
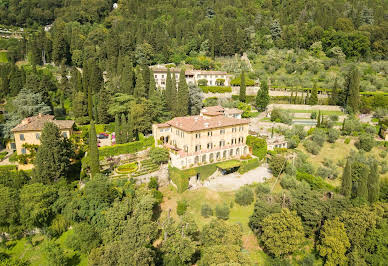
column 29, row 131
column 202, row 139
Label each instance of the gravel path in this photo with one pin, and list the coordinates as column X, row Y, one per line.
column 235, row 181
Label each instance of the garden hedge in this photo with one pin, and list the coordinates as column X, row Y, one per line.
column 216, row 89
column 258, row 145
column 314, row 181
column 126, row 148
column 248, row 165
column 237, row 81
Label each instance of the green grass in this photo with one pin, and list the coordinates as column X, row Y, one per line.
column 324, row 112
column 3, row 57
column 127, row 168
column 228, row 164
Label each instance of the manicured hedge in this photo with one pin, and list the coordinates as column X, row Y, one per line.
column 8, row 167
column 248, row 165
column 258, row 145
column 314, row 181
column 216, row 89
column 237, row 81
column 126, row 148
column 249, row 98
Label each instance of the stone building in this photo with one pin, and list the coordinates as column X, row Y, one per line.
column 202, row 139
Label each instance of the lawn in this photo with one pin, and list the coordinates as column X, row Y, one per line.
column 324, row 112
column 3, row 57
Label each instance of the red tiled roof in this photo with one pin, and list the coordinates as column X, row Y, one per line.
column 197, row 123
column 36, row 123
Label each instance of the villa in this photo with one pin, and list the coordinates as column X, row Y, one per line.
column 202, row 139
column 30, row 129
column 213, row 78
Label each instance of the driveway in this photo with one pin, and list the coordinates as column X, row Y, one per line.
column 235, row 180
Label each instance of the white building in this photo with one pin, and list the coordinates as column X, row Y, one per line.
column 192, row 76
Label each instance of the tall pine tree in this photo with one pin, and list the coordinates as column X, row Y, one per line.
column 262, row 97
column 373, row 183
column 117, row 130
column 243, row 88
column 124, row 128
column 93, row 151
column 314, row 95
column 174, row 96
column 103, row 104
column 353, row 89
column 140, row 90
column 53, row 157
column 183, row 96
column 152, row 85
column 169, row 90
column 333, row 100
column 346, row 186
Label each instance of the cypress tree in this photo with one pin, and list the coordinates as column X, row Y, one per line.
column 53, row 157
column 314, row 95
column 140, row 90
column 174, row 96
column 243, row 88
column 93, row 150
column 152, row 86
column 319, row 119
column 334, row 94
column 262, row 97
column 129, row 129
column 124, row 129
column 303, row 99
column 102, row 107
column 346, row 185
column 117, row 130
column 291, row 97
column 296, row 95
column 373, row 183
column 90, row 103
column 183, row 96
column 169, row 90
column 362, row 183
column 353, row 100
column 146, row 78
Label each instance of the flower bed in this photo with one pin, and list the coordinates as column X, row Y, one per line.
column 127, row 168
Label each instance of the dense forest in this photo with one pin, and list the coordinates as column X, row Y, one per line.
column 89, row 61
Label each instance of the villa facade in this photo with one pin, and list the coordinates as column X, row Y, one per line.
column 196, row 140
column 192, row 76
column 30, row 130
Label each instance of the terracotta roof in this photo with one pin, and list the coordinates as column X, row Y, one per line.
column 197, row 123
column 233, row 111
column 162, row 125
column 36, row 123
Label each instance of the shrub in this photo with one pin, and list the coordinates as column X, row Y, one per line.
column 318, row 136
column 334, row 118
column 289, row 182
column 13, row 158
column 222, row 211
column 202, row 82
column 332, row 135
column 157, row 195
column 153, row 184
column 313, row 115
column 262, row 189
column 237, row 81
column 85, row 238
column 365, row 142
column 244, row 196
column 206, row 210
column 181, row 208
column 281, row 116
column 258, row 145
column 277, row 164
column 347, row 141
column 311, row 147
column 216, row 89
column 314, row 182
column 8, row 167
column 159, row 155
